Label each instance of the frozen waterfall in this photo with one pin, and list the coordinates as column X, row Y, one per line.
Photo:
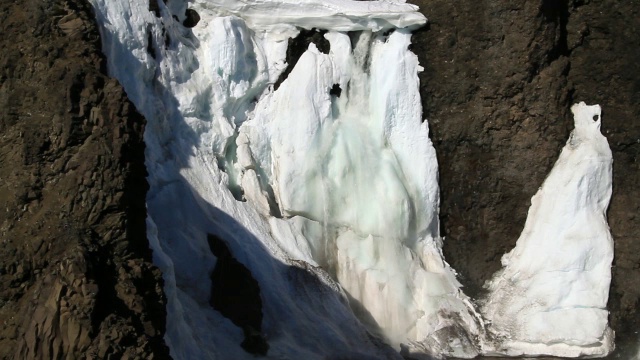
column 319, row 176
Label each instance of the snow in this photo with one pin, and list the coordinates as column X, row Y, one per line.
column 551, row 295
column 338, row 15
column 332, row 201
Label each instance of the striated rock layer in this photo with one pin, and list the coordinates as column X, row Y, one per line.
column 76, row 280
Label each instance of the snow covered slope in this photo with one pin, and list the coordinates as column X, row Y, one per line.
column 317, row 174
column 551, row 296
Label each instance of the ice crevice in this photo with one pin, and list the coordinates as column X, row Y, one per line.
column 325, row 188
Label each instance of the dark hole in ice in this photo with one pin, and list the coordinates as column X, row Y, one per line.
column 166, row 37
column 335, row 90
column 154, row 7
column 236, row 295
column 191, row 18
column 150, row 48
column 298, row 45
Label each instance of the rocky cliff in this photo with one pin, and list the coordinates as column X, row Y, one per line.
column 76, row 278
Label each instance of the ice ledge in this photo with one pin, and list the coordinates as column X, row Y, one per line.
column 338, row 15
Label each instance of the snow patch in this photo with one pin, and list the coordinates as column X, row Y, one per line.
column 551, row 296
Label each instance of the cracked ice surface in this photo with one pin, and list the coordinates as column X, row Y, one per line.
column 551, row 295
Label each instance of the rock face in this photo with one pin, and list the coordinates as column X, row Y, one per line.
column 498, row 84
column 236, row 295
column 76, row 278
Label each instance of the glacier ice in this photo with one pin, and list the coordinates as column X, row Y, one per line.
column 330, row 200
column 551, row 295
column 338, row 15
column 349, row 164
column 331, row 183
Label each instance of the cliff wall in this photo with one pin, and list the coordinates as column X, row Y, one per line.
column 76, row 278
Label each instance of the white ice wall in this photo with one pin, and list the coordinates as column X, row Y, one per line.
column 362, row 167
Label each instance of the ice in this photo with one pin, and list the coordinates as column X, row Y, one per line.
column 337, row 15
column 551, row 296
column 362, row 166
column 354, row 177
column 331, row 201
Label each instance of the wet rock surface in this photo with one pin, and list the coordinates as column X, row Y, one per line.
column 499, row 79
column 76, row 278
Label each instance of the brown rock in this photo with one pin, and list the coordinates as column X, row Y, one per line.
column 72, row 195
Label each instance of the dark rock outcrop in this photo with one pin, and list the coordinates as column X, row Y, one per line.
column 191, row 18
column 500, row 77
column 236, row 295
column 298, row 46
column 76, row 278
column 335, row 90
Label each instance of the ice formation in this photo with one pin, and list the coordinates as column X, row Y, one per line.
column 324, row 187
column 551, row 296
column 344, row 185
